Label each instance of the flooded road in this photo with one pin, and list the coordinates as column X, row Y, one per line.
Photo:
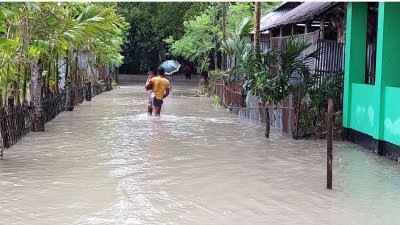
column 107, row 162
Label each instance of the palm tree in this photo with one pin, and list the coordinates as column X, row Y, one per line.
column 257, row 15
column 224, row 32
column 68, row 34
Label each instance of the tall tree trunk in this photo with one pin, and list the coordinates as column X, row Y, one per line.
column 257, row 15
column 224, row 64
column 67, row 77
column 56, row 75
column 16, row 93
column 48, row 78
column 24, row 85
column 38, row 117
column 69, row 105
column 216, row 55
column 267, row 120
column 16, row 88
column 76, row 68
column 6, row 84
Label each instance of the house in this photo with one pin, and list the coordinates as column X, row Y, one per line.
column 371, row 114
column 269, row 17
column 320, row 23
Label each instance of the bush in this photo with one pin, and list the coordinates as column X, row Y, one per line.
column 217, row 100
column 215, row 75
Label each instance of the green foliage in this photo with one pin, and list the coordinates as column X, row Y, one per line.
column 236, row 12
column 150, row 24
column 238, row 46
column 44, row 32
column 201, row 34
column 239, row 10
column 215, row 75
column 257, row 69
column 217, row 100
column 313, row 113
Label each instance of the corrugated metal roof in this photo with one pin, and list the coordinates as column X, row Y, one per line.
column 273, row 14
column 303, row 12
column 270, row 18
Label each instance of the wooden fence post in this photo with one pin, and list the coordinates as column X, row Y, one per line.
column 69, row 104
column 298, row 113
column 2, row 128
column 267, row 120
column 329, row 138
column 88, row 96
column 16, row 93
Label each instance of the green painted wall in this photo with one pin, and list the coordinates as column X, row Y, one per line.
column 387, row 56
column 391, row 121
column 356, row 28
column 373, row 109
column 363, row 113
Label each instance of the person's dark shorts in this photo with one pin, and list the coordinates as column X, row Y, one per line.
column 158, row 102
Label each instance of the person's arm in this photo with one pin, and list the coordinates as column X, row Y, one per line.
column 148, row 85
column 166, row 92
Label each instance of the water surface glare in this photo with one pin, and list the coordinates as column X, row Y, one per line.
column 107, row 162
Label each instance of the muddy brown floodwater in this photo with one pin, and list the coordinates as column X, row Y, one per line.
column 107, row 162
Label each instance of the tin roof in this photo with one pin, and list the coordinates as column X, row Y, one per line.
column 303, row 12
column 273, row 14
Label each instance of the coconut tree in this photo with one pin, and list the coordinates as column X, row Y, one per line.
column 257, row 15
column 69, row 31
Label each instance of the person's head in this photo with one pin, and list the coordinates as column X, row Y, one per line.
column 160, row 71
column 150, row 74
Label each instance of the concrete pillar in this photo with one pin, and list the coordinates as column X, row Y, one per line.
column 387, row 60
column 354, row 72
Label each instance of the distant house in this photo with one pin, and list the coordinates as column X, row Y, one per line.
column 320, row 23
column 270, row 17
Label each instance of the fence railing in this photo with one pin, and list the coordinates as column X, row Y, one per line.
column 231, row 95
column 16, row 121
column 53, row 105
column 330, row 60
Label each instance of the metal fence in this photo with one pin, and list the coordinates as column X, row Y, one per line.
column 329, row 61
column 16, row 121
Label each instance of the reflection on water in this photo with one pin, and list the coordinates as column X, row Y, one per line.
column 107, row 162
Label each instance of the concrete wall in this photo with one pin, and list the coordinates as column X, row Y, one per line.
column 373, row 109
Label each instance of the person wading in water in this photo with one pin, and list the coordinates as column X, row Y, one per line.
column 160, row 87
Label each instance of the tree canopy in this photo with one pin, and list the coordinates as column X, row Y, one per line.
column 37, row 35
column 202, row 38
column 150, row 24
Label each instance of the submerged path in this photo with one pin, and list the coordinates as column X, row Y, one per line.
column 107, row 162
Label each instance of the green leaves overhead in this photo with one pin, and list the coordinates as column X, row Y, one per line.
column 48, row 31
column 201, row 34
column 151, row 23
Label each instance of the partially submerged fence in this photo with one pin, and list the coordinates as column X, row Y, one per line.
column 250, row 106
column 16, row 121
column 231, row 95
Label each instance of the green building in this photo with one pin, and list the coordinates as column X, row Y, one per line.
column 371, row 111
